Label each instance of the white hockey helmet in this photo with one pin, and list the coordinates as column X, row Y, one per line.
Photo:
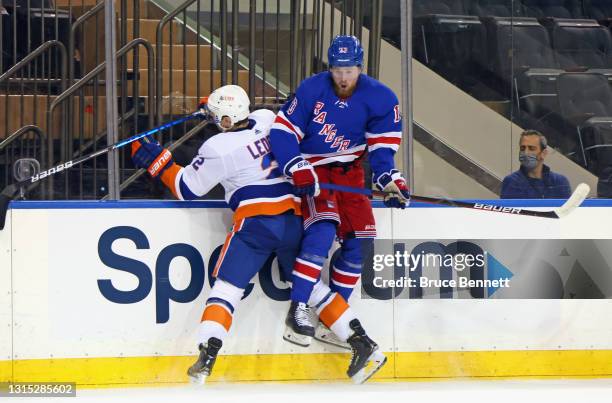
column 231, row 101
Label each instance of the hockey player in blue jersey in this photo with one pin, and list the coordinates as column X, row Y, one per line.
column 321, row 135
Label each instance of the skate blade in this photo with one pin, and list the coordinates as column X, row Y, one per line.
column 375, row 363
column 296, row 338
column 197, row 380
column 332, row 341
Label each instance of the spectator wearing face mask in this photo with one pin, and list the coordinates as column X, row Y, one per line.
column 534, row 180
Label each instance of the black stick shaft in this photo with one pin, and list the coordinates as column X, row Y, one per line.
column 444, row 202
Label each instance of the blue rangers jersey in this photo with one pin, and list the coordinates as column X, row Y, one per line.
column 321, row 127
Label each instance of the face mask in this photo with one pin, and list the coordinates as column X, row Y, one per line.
column 528, row 161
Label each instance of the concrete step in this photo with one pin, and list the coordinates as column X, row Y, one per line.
column 183, row 57
column 17, row 111
column 79, row 7
column 185, row 82
column 148, row 31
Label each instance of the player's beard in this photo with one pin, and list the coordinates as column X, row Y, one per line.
column 344, row 91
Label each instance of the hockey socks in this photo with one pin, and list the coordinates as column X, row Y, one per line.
column 318, row 239
column 333, row 310
column 336, row 314
column 346, row 270
column 219, row 311
column 344, row 277
column 306, row 272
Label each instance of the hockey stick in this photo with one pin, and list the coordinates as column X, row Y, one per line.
column 575, row 200
column 9, row 192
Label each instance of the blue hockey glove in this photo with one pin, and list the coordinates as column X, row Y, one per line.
column 394, row 183
column 151, row 156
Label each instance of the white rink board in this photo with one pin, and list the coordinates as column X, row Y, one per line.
column 496, row 324
column 501, row 324
column 61, row 307
column 5, row 291
column 462, row 223
column 58, row 303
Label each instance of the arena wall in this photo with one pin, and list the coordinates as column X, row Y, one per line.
column 112, row 293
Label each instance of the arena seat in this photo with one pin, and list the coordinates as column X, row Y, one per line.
column 495, row 8
column 447, row 7
column 553, row 8
column 585, row 101
column 581, row 45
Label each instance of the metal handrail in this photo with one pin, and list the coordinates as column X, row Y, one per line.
column 25, row 129
column 77, row 24
column 24, row 62
column 34, row 54
column 102, row 134
column 171, row 147
column 85, row 80
column 89, row 76
column 159, row 50
column 22, row 131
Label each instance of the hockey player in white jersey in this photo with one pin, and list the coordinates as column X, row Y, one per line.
column 266, row 212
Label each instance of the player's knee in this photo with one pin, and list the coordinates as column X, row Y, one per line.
column 226, row 294
column 318, row 238
column 352, row 249
column 320, row 293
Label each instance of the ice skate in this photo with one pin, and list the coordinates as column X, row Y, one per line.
column 326, row 335
column 366, row 359
column 299, row 329
column 203, row 367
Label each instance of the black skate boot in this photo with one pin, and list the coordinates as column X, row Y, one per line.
column 204, row 365
column 299, row 330
column 366, row 359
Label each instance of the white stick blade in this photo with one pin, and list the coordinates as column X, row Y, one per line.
column 575, row 200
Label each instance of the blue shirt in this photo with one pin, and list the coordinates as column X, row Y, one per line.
column 518, row 185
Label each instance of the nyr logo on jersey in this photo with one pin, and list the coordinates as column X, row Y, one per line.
column 342, row 103
column 343, row 49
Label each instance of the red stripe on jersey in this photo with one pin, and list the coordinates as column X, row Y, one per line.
column 342, row 278
column 384, row 140
column 288, row 125
column 306, row 270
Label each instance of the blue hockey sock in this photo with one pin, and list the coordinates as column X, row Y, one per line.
column 317, row 240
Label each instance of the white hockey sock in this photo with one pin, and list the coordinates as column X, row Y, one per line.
column 219, row 312
column 216, row 322
column 336, row 314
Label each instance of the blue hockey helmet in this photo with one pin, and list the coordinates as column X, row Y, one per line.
column 345, row 51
